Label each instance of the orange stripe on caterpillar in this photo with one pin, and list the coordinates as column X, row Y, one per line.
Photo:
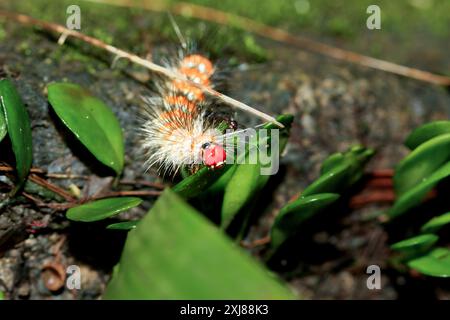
column 182, row 103
column 175, row 117
column 191, row 92
column 197, row 62
column 196, row 76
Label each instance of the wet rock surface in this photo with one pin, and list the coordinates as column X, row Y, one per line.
column 335, row 105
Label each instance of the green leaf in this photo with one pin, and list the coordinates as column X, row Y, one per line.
column 3, row 129
column 335, row 180
column 415, row 195
column 356, row 157
column 427, row 132
column 239, row 190
column 126, row 225
column 435, row 263
column 91, row 121
column 340, row 171
column 284, row 119
column 18, row 126
column 247, row 179
column 436, row 223
column 294, row 214
column 421, row 163
column 195, row 184
column 176, row 253
column 415, row 244
column 219, row 185
column 102, row 209
column 333, row 161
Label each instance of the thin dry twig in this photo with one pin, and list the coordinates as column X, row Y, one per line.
column 70, row 204
column 52, row 205
column 256, row 243
column 42, row 182
column 380, row 183
column 66, row 176
column 361, row 200
column 279, row 35
column 382, row 173
column 155, row 185
column 7, row 168
column 119, row 53
column 136, row 193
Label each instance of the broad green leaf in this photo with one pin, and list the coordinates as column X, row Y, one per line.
column 18, row 126
column 286, row 120
column 2, row 296
column 427, row 132
column 356, row 157
column 195, row 184
column 294, row 214
column 102, row 209
column 416, row 194
column 340, row 171
column 333, row 161
column 219, row 185
column 435, row 263
column 3, row 129
column 334, row 180
column 176, row 253
column 415, row 244
column 248, row 179
column 91, row 121
column 126, row 225
column 421, row 163
column 239, row 190
column 436, row 223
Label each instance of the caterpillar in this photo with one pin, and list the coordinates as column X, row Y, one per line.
column 181, row 126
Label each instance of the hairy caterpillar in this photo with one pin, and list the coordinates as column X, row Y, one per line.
column 181, row 127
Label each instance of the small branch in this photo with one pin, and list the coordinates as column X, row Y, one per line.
column 7, row 168
column 119, row 53
column 71, row 201
column 358, row 201
column 216, row 16
column 256, row 243
column 382, row 183
column 68, row 205
column 136, row 193
column 65, row 176
column 142, row 183
column 53, row 205
column 382, row 173
column 42, row 182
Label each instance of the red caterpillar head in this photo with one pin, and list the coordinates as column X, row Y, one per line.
column 213, row 155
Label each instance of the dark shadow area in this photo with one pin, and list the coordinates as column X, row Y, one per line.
column 93, row 244
column 302, row 249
